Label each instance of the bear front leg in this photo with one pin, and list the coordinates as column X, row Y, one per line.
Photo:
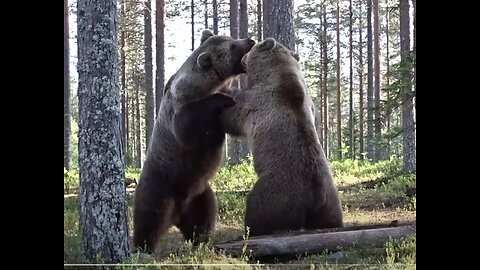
column 197, row 123
column 198, row 218
column 150, row 222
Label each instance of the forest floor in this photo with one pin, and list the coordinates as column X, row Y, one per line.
column 370, row 194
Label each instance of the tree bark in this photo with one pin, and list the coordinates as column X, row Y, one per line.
column 325, row 78
column 378, row 120
column 123, row 48
column 339, row 101
column 67, row 129
column 215, row 17
column 259, row 20
column 150, row 102
column 278, row 22
column 192, row 5
column 370, row 105
column 103, row 207
column 360, row 90
column 314, row 242
column 243, row 19
column 234, row 18
column 387, row 78
column 351, row 120
column 409, row 154
column 160, row 53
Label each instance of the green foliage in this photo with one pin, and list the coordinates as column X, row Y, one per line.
column 402, row 251
column 237, row 177
column 355, row 170
column 70, row 180
column 231, row 207
column 370, row 193
column 132, row 173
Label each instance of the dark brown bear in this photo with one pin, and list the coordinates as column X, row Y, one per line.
column 186, row 145
column 295, row 188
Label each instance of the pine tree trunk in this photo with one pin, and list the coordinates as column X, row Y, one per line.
column 192, row 6
column 339, row 101
column 205, row 2
column 351, row 120
column 360, row 72
column 138, row 128
column 160, row 53
column 278, row 22
column 409, row 151
column 242, row 144
column 378, row 121
column 415, row 49
column 215, row 17
column 123, row 48
column 150, row 102
column 370, row 106
column 234, row 18
column 325, row 90
column 387, row 77
column 243, row 19
column 66, row 89
column 259, row 20
column 103, row 207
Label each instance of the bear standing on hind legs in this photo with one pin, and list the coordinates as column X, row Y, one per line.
column 295, row 188
column 186, row 145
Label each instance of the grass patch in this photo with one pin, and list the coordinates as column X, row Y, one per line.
column 370, row 193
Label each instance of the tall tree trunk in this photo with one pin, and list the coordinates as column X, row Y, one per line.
column 123, row 48
column 259, row 20
column 378, row 120
column 387, row 77
column 192, row 5
column 150, row 102
column 351, row 120
column 66, row 89
column 361, row 98
column 370, row 135
column 339, row 101
column 409, row 151
column 103, row 207
column 415, row 50
column 278, row 22
column 234, row 18
column 236, row 146
column 325, row 78
column 215, row 17
column 243, row 19
column 205, row 2
column 160, row 53
column 138, row 127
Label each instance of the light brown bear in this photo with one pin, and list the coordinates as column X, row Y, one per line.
column 186, row 145
column 295, row 188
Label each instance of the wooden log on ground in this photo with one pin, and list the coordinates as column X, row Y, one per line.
column 278, row 245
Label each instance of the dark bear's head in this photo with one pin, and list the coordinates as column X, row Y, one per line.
column 222, row 55
column 267, row 57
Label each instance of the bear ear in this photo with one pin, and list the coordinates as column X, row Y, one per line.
column 267, row 44
column 296, row 56
column 204, row 60
column 205, row 35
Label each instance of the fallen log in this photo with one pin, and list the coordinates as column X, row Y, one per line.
column 281, row 245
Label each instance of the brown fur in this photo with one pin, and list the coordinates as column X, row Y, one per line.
column 295, row 188
column 186, row 146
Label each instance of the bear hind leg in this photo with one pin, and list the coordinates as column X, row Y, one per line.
column 198, row 218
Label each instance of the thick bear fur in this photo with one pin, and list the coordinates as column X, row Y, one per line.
column 186, row 147
column 295, row 188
